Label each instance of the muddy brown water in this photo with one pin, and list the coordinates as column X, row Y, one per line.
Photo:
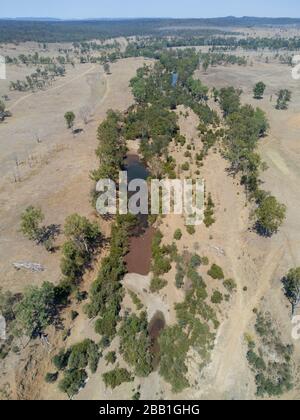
column 138, row 259
column 156, row 326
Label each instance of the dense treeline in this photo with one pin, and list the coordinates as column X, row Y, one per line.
column 270, row 359
column 111, row 149
column 77, row 31
column 64, row 31
column 195, row 329
column 106, row 292
column 246, row 126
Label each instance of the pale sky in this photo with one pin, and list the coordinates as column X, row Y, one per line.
column 148, row 8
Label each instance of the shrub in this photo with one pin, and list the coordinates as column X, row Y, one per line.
column 51, row 378
column 38, row 309
column 73, row 381
column 178, row 235
column 216, row 272
column 30, row 223
column 111, row 358
column 116, row 377
column 230, row 285
column 174, row 346
column 157, row 284
column 179, row 278
column 191, row 230
column 135, row 299
column 135, row 344
column 107, row 325
column 195, row 261
column 74, row 315
column 217, row 298
column 205, row 261
column 209, row 212
column 185, row 166
column 60, row 361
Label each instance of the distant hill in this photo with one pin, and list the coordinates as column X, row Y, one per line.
column 32, row 19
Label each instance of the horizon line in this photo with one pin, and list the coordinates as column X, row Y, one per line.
column 51, row 18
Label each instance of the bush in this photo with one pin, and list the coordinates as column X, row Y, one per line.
column 205, row 261
column 230, row 285
column 107, row 325
column 216, row 272
column 111, row 358
column 30, row 223
column 157, row 284
column 135, row 299
column 191, row 230
column 161, row 264
column 73, row 381
column 185, row 166
column 38, row 309
column 51, row 378
column 174, row 346
column 60, row 361
column 179, row 278
column 178, row 235
column 195, row 261
column 74, row 315
column 217, row 298
column 116, row 377
column 135, row 344
column 209, row 212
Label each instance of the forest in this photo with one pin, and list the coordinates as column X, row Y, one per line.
column 55, row 30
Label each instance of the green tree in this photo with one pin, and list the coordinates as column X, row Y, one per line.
column 116, row 377
column 292, row 287
column 106, row 68
column 30, row 223
column 216, row 272
column 37, row 310
column 70, row 119
column 135, row 344
column 83, row 233
column 73, row 381
column 174, row 346
column 111, row 358
column 284, row 96
column 217, row 297
column 178, row 235
column 229, row 100
column 270, row 215
column 2, row 106
column 205, row 65
column 259, row 90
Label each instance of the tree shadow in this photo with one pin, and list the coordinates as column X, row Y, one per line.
column 47, row 236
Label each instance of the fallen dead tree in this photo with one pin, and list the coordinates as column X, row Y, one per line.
column 33, row 267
